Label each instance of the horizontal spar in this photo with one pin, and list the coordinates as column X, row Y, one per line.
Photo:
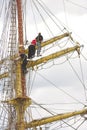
column 51, row 119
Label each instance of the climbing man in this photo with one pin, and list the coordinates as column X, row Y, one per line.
column 24, row 63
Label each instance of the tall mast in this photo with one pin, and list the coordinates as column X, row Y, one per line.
column 21, row 47
column 21, row 101
column 20, row 25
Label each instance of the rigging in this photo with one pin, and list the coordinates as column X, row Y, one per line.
column 17, row 95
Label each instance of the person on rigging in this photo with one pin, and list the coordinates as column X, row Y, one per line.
column 31, row 49
column 39, row 39
column 24, row 63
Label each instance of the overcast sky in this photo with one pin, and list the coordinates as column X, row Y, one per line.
column 73, row 13
column 52, row 83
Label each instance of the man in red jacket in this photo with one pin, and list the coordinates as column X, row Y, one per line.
column 31, row 49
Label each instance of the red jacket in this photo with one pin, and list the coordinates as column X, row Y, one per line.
column 33, row 42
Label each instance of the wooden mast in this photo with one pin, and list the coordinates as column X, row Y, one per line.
column 21, row 101
column 21, row 44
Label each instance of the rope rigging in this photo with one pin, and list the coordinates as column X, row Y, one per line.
column 1, row 8
column 69, row 124
column 49, row 13
column 78, row 5
column 42, row 17
column 82, row 81
column 30, row 83
column 52, row 16
column 34, row 17
column 61, row 90
column 62, row 124
column 5, row 31
column 40, row 8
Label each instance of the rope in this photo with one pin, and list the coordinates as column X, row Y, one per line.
column 80, row 124
column 76, row 4
column 79, row 77
column 33, row 82
column 49, row 13
column 1, row 9
column 83, row 80
column 67, row 123
column 34, row 18
column 52, row 15
column 65, row 12
column 42, row 17
column 43, row 108
column 61, row 89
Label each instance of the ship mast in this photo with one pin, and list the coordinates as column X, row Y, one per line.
column 21, row 47
column 21, row 101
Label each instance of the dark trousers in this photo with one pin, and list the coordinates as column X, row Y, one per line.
column 24, row 63
column 31, row 51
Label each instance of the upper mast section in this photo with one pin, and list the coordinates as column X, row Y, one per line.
column 20, row 27
column 20, row 76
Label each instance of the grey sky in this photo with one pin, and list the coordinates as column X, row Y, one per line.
column 62, row 76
